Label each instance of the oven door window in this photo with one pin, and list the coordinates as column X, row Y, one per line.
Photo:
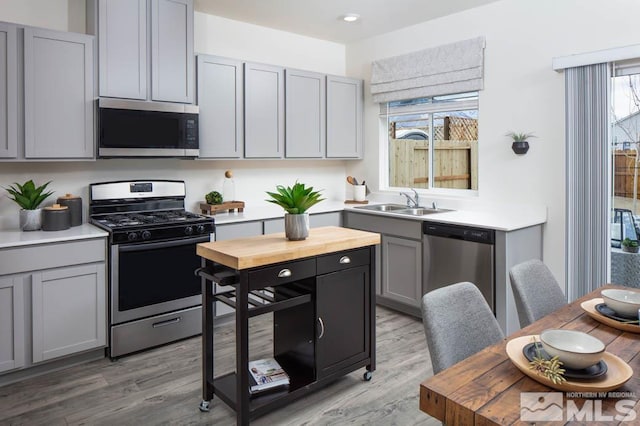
column 147, row 276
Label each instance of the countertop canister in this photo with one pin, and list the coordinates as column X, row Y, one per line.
column 75, row 207
column 56, row 218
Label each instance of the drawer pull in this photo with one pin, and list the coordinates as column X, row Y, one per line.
column 284, row 273
column 167, row 322
column 321, row 328
column 345, row 259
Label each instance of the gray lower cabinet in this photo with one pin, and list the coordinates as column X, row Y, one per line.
column 52, row 301
column 58, row 94
column 68, row 311
column 398, row 259
column 12, row 323
column 8, row 91
column 305, row 114
column 263, row 111
column 344, row 117
column 220, row 99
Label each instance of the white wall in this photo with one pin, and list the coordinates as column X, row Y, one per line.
column 213, row 35
column 521, row 93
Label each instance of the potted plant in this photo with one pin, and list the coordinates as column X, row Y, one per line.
column 29, row 197
column 520, row 144
column 295, row 201
column 629, row 245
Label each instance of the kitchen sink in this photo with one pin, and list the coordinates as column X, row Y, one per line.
column 421, row 211
column 383, row 207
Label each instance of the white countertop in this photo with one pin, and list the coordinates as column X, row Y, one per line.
column 500, row 219
column 15, row 238
column 262, row 211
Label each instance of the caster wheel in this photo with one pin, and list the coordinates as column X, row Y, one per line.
column 204, row 406
column 367, row 375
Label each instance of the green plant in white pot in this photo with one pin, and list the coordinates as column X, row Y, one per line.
column 29, row 197
column 295, row 200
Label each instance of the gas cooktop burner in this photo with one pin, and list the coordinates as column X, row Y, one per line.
column 118, row 220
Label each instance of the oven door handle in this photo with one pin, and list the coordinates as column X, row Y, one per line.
column 164, row 244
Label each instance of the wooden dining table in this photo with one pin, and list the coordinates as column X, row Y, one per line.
column 486, row 388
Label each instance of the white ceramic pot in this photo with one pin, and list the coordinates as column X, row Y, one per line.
column 31, row 220
column 296, row 226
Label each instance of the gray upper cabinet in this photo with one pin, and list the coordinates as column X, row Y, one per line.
column 172, row 50
column 305, row 114
column 122, row 47
column 8, row 91
column 58, row 94
column 263, row 111
column 220, row 98
column 344, row 117
column 145, row 48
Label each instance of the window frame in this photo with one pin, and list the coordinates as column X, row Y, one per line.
column 430, row 108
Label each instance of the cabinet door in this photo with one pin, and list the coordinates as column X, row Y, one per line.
column 58, row 90
column 172, row 50
column 402, row 270
column 69, row 312
column 305, row 114
column 11, row 323
column 263, row 111
column 344, row 117
column 122, row 48
column 342, row 306
column 8, row 91
column 220, row 99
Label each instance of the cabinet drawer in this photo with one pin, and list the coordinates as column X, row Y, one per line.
column 343, row 260
column 283, row 273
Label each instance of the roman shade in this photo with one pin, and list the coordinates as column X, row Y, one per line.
column 447, row 69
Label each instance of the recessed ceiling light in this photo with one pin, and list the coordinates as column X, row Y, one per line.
column 350, row 17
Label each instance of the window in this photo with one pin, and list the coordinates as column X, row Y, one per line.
column 432, row 142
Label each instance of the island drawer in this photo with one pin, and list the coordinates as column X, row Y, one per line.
column 282, row 273
column 343, row 260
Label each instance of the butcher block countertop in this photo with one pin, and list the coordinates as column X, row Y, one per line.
column 244, row 253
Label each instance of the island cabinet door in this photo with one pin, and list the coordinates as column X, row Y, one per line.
column 342, row 320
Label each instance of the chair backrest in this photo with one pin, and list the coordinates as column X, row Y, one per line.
column 535, row 291
column 458, row 322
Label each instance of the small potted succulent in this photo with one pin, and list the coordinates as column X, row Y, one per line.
column 520, row 144
column 295, row 200
column 630, row 246
column 29, row 197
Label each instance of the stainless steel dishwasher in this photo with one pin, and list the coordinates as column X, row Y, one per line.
column 454, row 253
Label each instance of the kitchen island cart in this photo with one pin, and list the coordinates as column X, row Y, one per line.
column 321, row 293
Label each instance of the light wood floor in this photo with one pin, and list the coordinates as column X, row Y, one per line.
column 163, row 386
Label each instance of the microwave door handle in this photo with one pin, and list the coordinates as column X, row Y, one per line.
column 163, row 244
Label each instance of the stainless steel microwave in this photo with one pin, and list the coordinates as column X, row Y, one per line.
column 128, row 128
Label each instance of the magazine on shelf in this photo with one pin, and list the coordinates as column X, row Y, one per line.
column 266, row 374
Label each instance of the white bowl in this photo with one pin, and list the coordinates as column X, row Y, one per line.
column 576, row 350
column 624, row 302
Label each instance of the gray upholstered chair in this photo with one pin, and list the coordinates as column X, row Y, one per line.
column 458, row 322
column 535, row 291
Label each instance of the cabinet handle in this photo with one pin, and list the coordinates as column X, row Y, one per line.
column 284, row 273
column 321, row 328
column 345, row 259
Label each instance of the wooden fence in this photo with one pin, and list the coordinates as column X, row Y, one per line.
column 455, row 163
column 624, row 165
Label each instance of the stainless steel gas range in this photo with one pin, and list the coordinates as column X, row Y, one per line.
column 154, row 296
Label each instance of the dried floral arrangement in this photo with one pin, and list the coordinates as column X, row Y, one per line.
column 549, row 368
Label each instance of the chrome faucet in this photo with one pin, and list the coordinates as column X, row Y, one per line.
column 434, row 205
column 412, row 200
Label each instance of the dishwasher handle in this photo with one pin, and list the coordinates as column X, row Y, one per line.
column 457, row 232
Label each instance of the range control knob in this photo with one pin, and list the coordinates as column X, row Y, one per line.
column 200, row 229
column 132, row 236
column 146, row 235
column 188, row 230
